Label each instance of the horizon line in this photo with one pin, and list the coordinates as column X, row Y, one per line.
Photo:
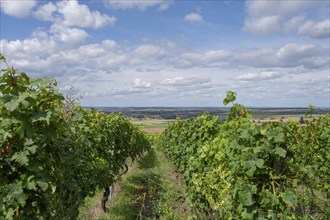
column 273, row 107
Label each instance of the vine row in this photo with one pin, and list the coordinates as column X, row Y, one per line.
column 51, row 155
column 241, row 170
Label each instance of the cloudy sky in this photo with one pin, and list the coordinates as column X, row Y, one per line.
column 174, row 53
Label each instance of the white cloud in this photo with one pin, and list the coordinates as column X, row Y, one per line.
column 65, row 49
column 92, row 50
column 264, row 75
column 18, row 9
column 45, row 12
column 104, row 70
column 109, row 44
column 79, row 15
column 71, row 13
column 293, row 23
column 127, row 91
column 65, row 46
column 147, row 52
column 186, row 87
column 258, row 9
column 316, row 29
column 140, row 5
column 271, row 17
column 68, row 35
column 194, row 17
column 309, row 56
column 190, row 59
column 264, row 26
column 139, row 83
column 28, row 49
column 184, row 81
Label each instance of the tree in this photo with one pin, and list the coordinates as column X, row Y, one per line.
column 310, row 110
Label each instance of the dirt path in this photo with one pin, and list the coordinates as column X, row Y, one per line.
column 150, row 190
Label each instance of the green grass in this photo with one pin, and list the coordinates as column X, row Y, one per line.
column 91, row 209
column 152, row 126
column 152, row 123
column 151, row 190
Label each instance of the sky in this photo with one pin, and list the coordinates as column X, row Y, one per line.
column 174, row 53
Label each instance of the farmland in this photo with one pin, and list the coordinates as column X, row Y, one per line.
column 222, row 112
column 152, row 126
column 155, row 119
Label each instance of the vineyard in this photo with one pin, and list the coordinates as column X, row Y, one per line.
column 239, row 170
column 55, row 153
column 52, row 155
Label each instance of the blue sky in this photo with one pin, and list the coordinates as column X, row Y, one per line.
column 174, row 53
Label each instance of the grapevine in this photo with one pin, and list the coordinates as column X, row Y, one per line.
column 52, row 158
column 241, row 170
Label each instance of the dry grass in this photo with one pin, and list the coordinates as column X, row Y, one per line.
column 153, row 130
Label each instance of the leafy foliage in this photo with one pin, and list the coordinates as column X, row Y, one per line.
column 239, row 170
column 51, row 158
column 310, row 110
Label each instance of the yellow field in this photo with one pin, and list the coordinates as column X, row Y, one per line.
column 152, row 126
column 285, row 118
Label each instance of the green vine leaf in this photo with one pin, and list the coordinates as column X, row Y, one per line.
column 289, row 198
column 21, row 158
column 280, row 152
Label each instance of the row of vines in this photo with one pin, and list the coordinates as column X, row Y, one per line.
column 241, row 170
column 52, row 155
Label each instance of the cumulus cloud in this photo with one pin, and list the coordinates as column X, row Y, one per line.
column 65, row 50
column 109, row 44
column 105, row 69
column 147, row 52
column 316, row 29
column 45, row 12
column 194, row 17
column 309, row 56
column 257, row 9
column 31, row 48
column 265, row 25
column 20, row 9
column 65, row 46
column 62, row 39
column 71, row 13
column 191, row 59
column 271, row 17
column 92, row 50
column 75, row 14
column 187, row 87
column 293, row 23
column 139, row 83
column 264, row 75
column 127, row 91
column 68, row 35
column 140, row 5
column 184, row 81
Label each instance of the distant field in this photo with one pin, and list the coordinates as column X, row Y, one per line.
column 154, row 126
column 285, row 118
column 154, row 120
column 158, row 113
column 151, row 126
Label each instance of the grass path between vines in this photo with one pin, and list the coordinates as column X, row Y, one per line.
column 150, row 190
